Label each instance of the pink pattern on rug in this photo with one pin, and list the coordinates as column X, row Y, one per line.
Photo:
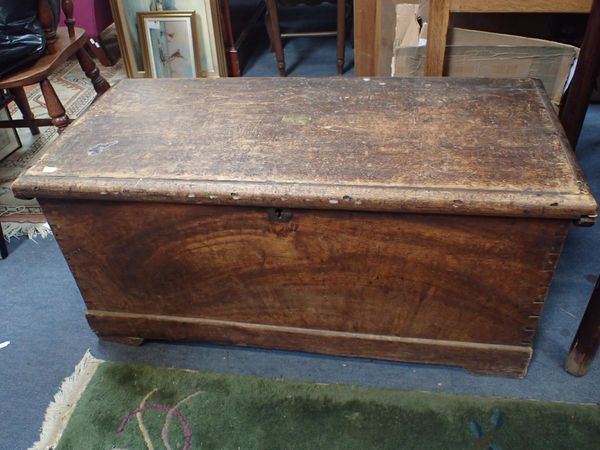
column 166, row 409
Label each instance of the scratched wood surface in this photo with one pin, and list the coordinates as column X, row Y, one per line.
column 486, row 147
column 475, row 279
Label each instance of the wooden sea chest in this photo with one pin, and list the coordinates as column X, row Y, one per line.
column 405, row 219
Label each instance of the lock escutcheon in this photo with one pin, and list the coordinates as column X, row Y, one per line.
column 280, row 215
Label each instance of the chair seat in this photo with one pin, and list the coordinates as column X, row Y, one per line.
column 65, row 48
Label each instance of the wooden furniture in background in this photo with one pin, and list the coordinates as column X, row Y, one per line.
column 94, row 16
column 18, row 96
column 235, row 36
column 587, row 340
column 268, row 228
column 61, row 43
column 275, row 34
column 440, row 10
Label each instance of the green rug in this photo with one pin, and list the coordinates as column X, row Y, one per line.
column 128, row 406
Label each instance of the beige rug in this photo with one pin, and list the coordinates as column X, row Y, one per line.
column 24, row 217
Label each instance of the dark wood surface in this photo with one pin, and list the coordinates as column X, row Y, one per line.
column 484, row 359
column 573, row 111
column 456, row 146
column 457, row 280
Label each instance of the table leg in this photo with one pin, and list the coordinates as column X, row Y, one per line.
column 341, row 35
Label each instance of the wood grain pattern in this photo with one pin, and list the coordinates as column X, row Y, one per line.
column 453, row 146
column 424, row 276
column 486, row 359
column 364, row 37
column 437, row 33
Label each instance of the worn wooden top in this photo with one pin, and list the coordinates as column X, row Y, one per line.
column 484, row 147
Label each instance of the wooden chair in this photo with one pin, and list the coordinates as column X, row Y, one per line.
column 440, row 10
column 61, row 44
column 275, row 34
column 587, row 339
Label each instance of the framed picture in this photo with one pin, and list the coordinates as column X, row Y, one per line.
column 209, row 36
column 9, row 139
column 168, row 40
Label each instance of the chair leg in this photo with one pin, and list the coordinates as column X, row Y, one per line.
column 21, row 100
column 91, row 71
column 341, row 35
column 55, row 108
column 276, row 36
column 269, row 31
column 587, row 340
column 97, row 48
column 3, row 245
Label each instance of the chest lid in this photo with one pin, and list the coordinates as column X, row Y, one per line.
column 431, row 145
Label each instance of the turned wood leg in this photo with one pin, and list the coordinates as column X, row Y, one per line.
column 55, row 108
column 126, row 340
column 276, row 36
column 21, row 100
column 91, row 71
column 587, row 340
column 341, row 35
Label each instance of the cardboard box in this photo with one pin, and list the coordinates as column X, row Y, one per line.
column 482, row 54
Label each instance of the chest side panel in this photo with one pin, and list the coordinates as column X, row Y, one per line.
column 470, row 279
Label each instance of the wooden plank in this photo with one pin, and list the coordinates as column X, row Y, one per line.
column 364, row 37
column 437, row 32
column 521, row 6
column 504, row 360
column 455, row 146
column 469, row 279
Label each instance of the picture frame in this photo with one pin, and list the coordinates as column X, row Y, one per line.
column 9, row 138
column 169, row 44
column 208, row 29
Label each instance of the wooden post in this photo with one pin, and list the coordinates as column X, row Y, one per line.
column 67, row 6
column 365, row 13
column 439, row 16
column 230, row 50
column 46, row 19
